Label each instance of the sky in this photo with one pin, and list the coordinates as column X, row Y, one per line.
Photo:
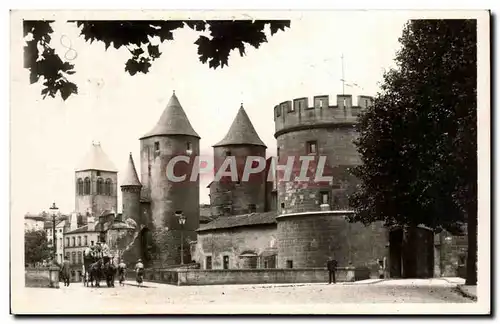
column 50, row 136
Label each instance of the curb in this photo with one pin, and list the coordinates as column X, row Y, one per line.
column 463, row 292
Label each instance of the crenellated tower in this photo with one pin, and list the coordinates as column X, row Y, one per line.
column 236, row 196
column 314, row 130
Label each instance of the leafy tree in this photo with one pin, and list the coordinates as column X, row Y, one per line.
column 36, row 247
column 138, row 37
column 418, row 140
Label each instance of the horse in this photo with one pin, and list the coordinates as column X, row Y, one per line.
column 87, row 274
column 109, row 272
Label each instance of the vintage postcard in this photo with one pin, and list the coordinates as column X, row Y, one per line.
column 250, row 162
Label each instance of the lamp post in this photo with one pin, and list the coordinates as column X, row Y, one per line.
column 182, row 221
column 53, row 212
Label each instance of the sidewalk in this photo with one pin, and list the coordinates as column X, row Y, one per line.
column 468, row 291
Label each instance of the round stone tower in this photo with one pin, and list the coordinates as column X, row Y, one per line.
column 131, row 194
column 315, row 143
column 172, row 137
column 321, row 134
column 231, row 196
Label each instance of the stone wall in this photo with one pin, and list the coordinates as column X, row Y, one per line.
column 308, row 239
column 190, row 277
column 233, row 243
column 40, row 277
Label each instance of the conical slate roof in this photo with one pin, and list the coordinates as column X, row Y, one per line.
column 130, row 177
column 96, row 159
column 241, row 131
column 173, row 121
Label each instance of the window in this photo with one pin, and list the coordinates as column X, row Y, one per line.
column 189, row 148
column 320, row 103
column 225, row 262
column 291, row 108
column 289, row 264
column 157, row 146
column 252, row 208
column 86, row 190
column 278, row 153
column 228, row 153
column 312, row 147
column 80, row 187
column 50, row 241
column 91, row 242
column 73, row 241
column 80, row 257
column 67, row 241
column 60, row 230
column 208, row 263
column 325, row 197
column 85, row 240
column 149, row 170
column 107, row 187
column 282, row 205
column 61, row 243
column 73, row 257
column 67, row 255
column 98, row 173
column 100, row 186
column 79, row 240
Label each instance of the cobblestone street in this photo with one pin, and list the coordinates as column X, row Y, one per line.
column 166, row 299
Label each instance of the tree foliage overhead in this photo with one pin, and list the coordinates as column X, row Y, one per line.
column 418, row 140
column 139, row 37
column 36, row 247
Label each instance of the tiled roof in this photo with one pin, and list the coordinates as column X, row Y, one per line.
column 83, row 229
column 96, row 159
column 173, row 121
column 240, row 220
column 241, row 131
column 130, row 177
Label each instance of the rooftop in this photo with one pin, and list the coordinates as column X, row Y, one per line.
column 240, row 220
column 241, row 131
column 130, row 177
column 173, row 121
column 83, row 229
column 96, row 159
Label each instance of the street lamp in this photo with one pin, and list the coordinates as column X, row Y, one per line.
column 53, row 212
column 182, row 221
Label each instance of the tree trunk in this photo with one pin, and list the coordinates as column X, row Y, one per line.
column 472, row 246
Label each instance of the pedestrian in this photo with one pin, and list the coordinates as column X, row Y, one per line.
column 139, row 269
column 381, row 269
column 65, row 271
column 331, row 265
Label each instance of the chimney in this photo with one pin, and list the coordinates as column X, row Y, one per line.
column 73, row 225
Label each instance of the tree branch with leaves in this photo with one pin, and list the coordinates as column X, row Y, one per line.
column 138, row 37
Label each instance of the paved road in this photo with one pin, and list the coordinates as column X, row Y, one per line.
column 156, row 298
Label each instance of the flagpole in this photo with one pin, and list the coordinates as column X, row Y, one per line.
column 343, row 80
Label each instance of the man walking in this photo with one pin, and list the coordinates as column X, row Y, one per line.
column 331, row 265
column 65, row 271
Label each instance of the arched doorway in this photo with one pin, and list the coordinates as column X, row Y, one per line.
column 146, row 245
column 411, row 252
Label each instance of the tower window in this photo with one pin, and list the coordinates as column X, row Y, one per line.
column 325, row 197
column 289, row 264
column 80, row 187
column 228, row 153
column 282, row 205
column 189, row 148
column 100, row 186
column 225, row 262
column 157, row 146
column 107, row 187
column 86, row 186
column 312, row 147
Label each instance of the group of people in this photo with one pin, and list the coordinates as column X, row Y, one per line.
column 100, row 250
column 331, row 266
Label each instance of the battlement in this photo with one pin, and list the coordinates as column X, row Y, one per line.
column 298, row 113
